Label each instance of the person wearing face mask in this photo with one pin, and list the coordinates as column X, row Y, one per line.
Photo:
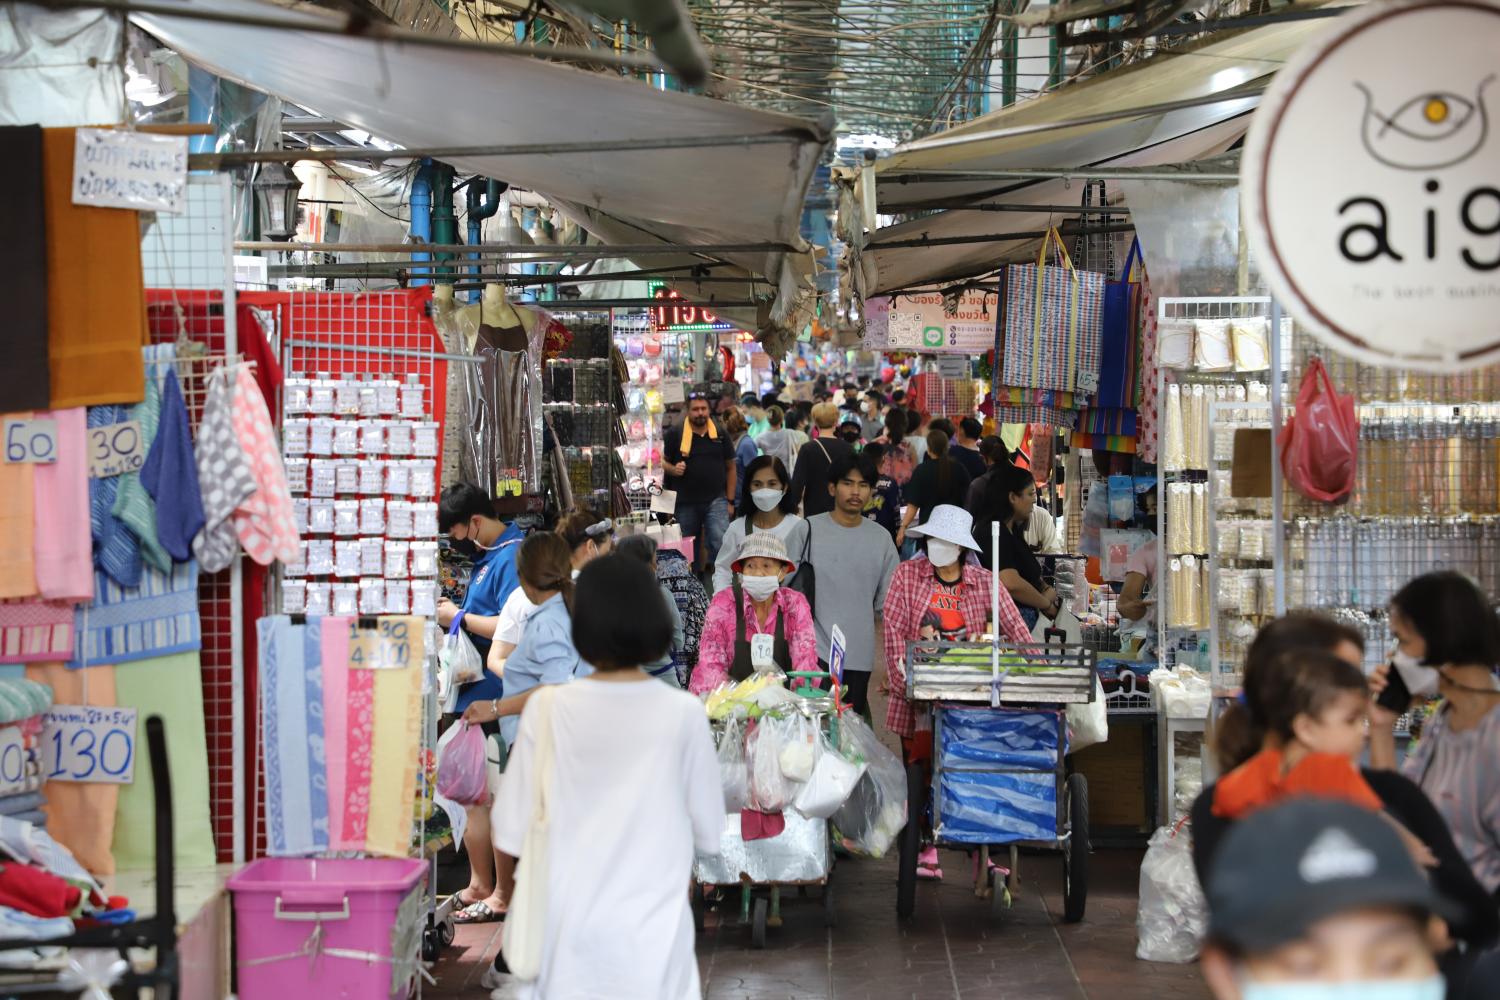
column 941, row 595
column 873, row 421
column 1009, row 498
column 590, row 536
column 1319, row 900
column 1448, row 643
column 765, row 511
column 849, row 431
column 756, row 604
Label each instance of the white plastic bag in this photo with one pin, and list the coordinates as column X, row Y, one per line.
column 769, row 790
column 800, row 749
column 732, row 769
column 832, row 781
column 1173, row 915
column 1088, row 723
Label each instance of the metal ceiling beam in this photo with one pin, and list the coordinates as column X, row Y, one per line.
column 533, row 252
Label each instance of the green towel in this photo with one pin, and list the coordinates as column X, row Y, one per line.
column 133, row 505
column 171, row 687
column 22, row 699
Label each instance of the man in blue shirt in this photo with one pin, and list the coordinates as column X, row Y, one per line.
column 467, row 516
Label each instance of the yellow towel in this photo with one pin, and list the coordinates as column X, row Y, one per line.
column 96, row 302
column 687, row 436
column 17, row 528
column 397, row 737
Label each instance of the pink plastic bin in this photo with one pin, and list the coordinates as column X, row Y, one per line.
column 350, row 903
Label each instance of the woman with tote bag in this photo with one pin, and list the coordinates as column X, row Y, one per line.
column 611, row 787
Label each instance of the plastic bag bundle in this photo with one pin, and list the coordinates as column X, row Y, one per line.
column 1173, row 915
column 868, row 822
column 769, row 789
column 832, row 781
column 800, row 750
column 732, row 769
column 461, row 774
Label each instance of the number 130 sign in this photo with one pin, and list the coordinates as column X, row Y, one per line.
column 85, row 744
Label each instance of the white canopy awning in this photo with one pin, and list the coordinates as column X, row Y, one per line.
column 422, row 97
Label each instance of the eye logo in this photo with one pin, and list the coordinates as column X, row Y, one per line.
column 1429, row 132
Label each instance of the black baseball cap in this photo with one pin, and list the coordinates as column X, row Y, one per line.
column 1283, row 869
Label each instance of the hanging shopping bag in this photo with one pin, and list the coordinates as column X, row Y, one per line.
column 462, row 771
column 1053, row 317
column 459, row 663
column 1320, row 443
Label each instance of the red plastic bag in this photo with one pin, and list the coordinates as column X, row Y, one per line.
column 461, row 773
column 1320, row 443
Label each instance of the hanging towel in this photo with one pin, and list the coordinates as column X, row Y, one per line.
column 287, row 732
column 224, row 473
column 81, row 817
column 361, row 735
column 96, row 301
column 24, row 383
column 133, row 505
column 63, row 545
column 36, row 631
column 124, row 624
column 170, row 476
column 264, row 522
column 171, row 687
column 334, row 657
column 16, row 805
column 17, row 528
column 116, row 549
column 398, row 729
column 22, row 699
column 317, row 749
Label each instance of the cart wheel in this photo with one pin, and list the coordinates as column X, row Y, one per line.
column 699, row 897
column 446, row 932
column 830, row 915
column 911, row 842
column 431, row 947
column 1076, row 853
column 758, row 924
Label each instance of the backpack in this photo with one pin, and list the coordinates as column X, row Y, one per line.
column 897, row 463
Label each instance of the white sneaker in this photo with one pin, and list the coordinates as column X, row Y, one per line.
column 501, row 986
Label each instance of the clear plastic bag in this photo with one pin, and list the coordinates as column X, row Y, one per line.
column 875, row 812
column 732, row 770
column 459, row 662
column 461, row 769
column 799, row 750
column 1173, row 915
column 832, row 781
column 769, row 789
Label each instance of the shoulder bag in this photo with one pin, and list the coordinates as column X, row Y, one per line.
column 526, row 920
column 805, row 580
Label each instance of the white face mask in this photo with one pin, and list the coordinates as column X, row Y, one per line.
column 1421, row 681
column 760, row 587
column 1432, row 988
column 941, row 553
column 767, row 500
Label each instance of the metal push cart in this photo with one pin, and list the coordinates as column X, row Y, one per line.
column 800, row 856
column 1018, row 705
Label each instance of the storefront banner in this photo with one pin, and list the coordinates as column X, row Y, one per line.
column 1371, row 191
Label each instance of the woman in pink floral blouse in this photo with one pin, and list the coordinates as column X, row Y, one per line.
column 755, row 604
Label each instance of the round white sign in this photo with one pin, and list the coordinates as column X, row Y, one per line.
column 1371, row 179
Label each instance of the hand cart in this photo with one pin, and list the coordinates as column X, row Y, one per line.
column 800, row 856
column 999, row 777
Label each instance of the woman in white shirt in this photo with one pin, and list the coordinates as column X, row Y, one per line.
column 762, row 501
column 634, row 792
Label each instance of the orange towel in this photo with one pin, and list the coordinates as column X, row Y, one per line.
column 82, row 816
column 96, row 302
column 1259, row 782
column 17, row 528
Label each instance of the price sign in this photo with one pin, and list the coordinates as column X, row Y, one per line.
column 31, row 441
column 672, row 391
column 836, row 655
column 12, row 760
column 87, row 745
column 953, row 366
column 115, row 449
column 393, row 644
column 118, row 168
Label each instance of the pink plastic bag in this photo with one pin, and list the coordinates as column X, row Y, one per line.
column 462, row 770
column 1320, row 443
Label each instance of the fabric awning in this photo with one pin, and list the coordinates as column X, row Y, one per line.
column 910, row 179
column 423, row 97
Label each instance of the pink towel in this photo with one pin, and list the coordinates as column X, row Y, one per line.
column 35, row 631
column 264, row 521
column 63, row 546
column 335, row 638
column 361, row 751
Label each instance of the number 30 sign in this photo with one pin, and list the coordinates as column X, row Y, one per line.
column 85, row 744
column 115, row 449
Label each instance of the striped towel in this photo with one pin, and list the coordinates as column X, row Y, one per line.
column 138, row 623
column 35, row 631
column 292, row 736
column 133, row 505
column 117, row 551
column 23, row 699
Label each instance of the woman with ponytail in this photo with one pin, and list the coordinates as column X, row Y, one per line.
column 938, row 480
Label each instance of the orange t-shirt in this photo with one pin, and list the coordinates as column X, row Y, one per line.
column 1260, row 782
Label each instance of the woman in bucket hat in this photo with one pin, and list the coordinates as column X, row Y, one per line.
column 942, row 595
column 755, row 604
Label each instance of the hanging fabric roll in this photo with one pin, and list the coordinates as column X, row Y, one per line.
column 1200, row 518
column 1173, row 446
column 24, row 378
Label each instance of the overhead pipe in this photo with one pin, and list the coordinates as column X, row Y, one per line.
column 479, row 207
column 420, row 226
column 444, row 222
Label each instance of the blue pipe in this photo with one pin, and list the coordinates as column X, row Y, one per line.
column 421, row 217
column 479, row 208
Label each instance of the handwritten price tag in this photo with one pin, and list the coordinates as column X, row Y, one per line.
column 87, row 745
column 12, row 760
column 33, row 441
column 394, row 644
column 115, row 449
column 118, row 168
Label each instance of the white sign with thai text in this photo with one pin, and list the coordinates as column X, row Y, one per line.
column 118, row 168
column 86, row 744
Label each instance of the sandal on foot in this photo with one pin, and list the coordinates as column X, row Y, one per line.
column 478, row 913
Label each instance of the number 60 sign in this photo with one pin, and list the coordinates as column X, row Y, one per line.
column 85, row 744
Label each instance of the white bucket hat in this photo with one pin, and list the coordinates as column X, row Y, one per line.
column 764, row 545
column 948, row 523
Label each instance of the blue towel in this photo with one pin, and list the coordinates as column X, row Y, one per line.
column 170, row 476
column 116, row 549
column 124, row 624
column 18, row 805
column 296, row 772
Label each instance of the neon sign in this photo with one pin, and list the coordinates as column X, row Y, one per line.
column 676, row 314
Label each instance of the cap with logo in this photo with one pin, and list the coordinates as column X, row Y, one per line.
column 1283, row 869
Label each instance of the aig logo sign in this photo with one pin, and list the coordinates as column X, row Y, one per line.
column 1371, row 179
